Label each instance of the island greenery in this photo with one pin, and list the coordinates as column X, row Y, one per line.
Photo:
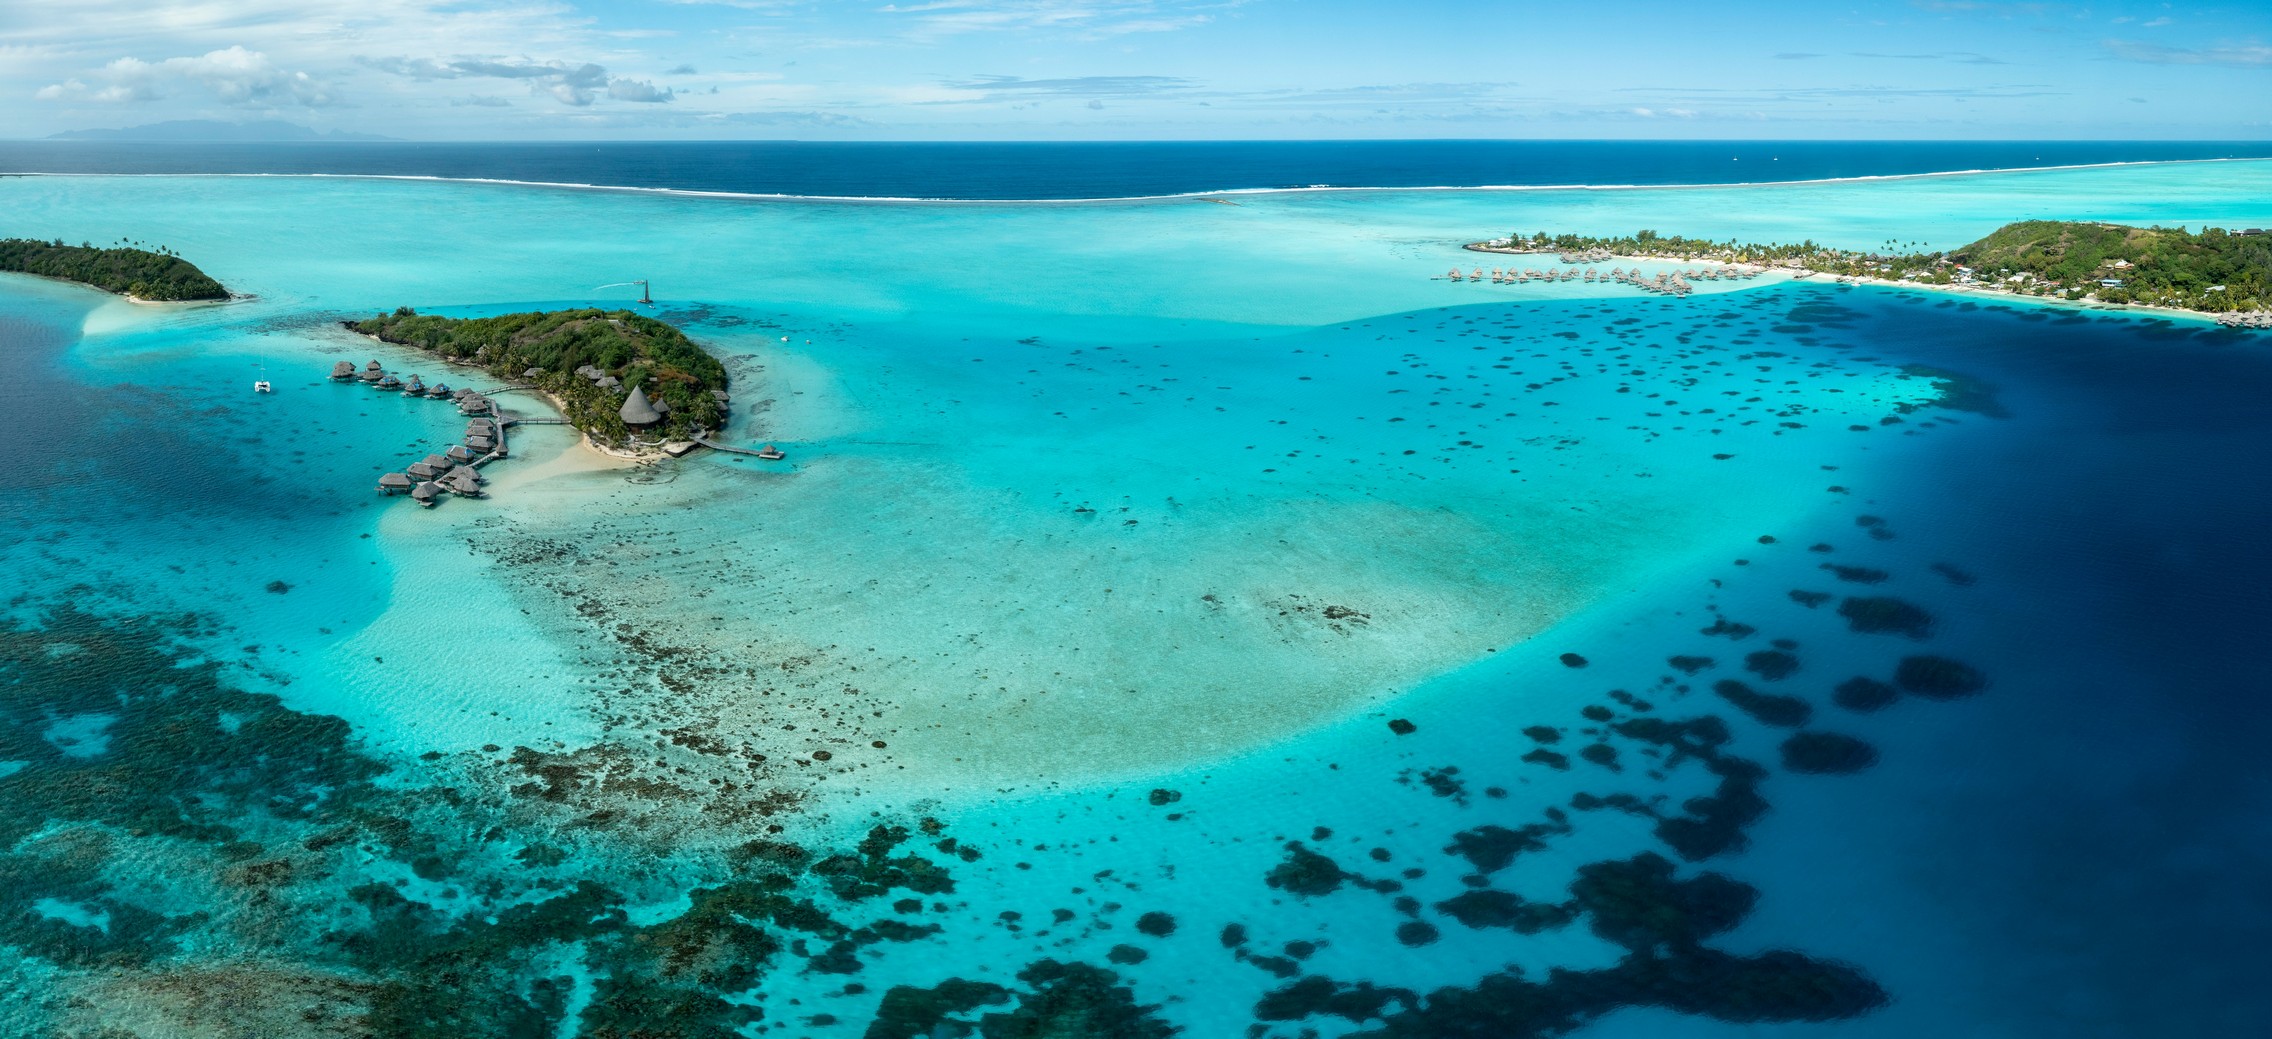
column 139, row 273
column 2215, row 270
column 571, row 354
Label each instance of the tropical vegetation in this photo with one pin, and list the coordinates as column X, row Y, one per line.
column 140, row 273
column 2214, row 270
column 564, row 348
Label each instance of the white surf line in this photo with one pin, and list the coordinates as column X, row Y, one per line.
column 1176, row 196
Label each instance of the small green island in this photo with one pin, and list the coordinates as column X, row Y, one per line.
column 142, row 274
column 625, row 380
column 2215, row 271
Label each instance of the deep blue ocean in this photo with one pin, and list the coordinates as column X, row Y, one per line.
column 1102, row 169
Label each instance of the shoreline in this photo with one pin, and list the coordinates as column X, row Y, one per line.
column 1791, row 274
column 550, row 401
column 132, row 298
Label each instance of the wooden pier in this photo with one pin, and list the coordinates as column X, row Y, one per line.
column 732, row 450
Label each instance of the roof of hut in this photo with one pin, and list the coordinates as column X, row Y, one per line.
column 637, row 411
column 374, row 366
column 435, row 460
column 465, row 472
column 426, row 489
column 532, row 373
column 343, row 368
column 394, row 480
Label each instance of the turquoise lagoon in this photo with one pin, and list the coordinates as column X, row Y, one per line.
column 1112, row 539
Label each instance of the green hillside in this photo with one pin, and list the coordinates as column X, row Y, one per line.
column 139, row 273
column 2166, row 266
column 637, row 350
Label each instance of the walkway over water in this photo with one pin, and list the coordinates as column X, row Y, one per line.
column 730, row 449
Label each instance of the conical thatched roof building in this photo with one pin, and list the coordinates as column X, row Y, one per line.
column 637, row 411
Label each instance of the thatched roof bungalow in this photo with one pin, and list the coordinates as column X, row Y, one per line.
column 637, row 412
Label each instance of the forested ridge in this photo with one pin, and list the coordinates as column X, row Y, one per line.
column 140, row 273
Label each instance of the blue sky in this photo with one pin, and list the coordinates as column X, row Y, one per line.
column 1117, row 69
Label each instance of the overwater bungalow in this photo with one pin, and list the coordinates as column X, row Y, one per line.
column 388, row 382
column 474, row 404
column 425, row 493
column 1455, row 275
column 414, row 387
column 463, row 472
column 372, row 372
column 461, row 482
column 439, row 391
column 480, row 445
column 437, row 461
column 343, row 370
column 394, row 483
column 772, row 453
column 427, row 470
column 459, row 454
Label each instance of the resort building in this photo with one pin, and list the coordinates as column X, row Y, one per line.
column 638, row 412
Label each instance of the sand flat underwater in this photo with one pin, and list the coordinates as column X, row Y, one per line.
column 1114, row 536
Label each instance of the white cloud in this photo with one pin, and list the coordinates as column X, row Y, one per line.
column 637, row 90
column 2244, row 57
column 1092, row 19
column 577, row 85
column 235, row 75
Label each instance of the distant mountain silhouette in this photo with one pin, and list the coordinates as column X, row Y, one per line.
column 215, row 130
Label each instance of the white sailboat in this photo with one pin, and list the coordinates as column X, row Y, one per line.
column 261, row 385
